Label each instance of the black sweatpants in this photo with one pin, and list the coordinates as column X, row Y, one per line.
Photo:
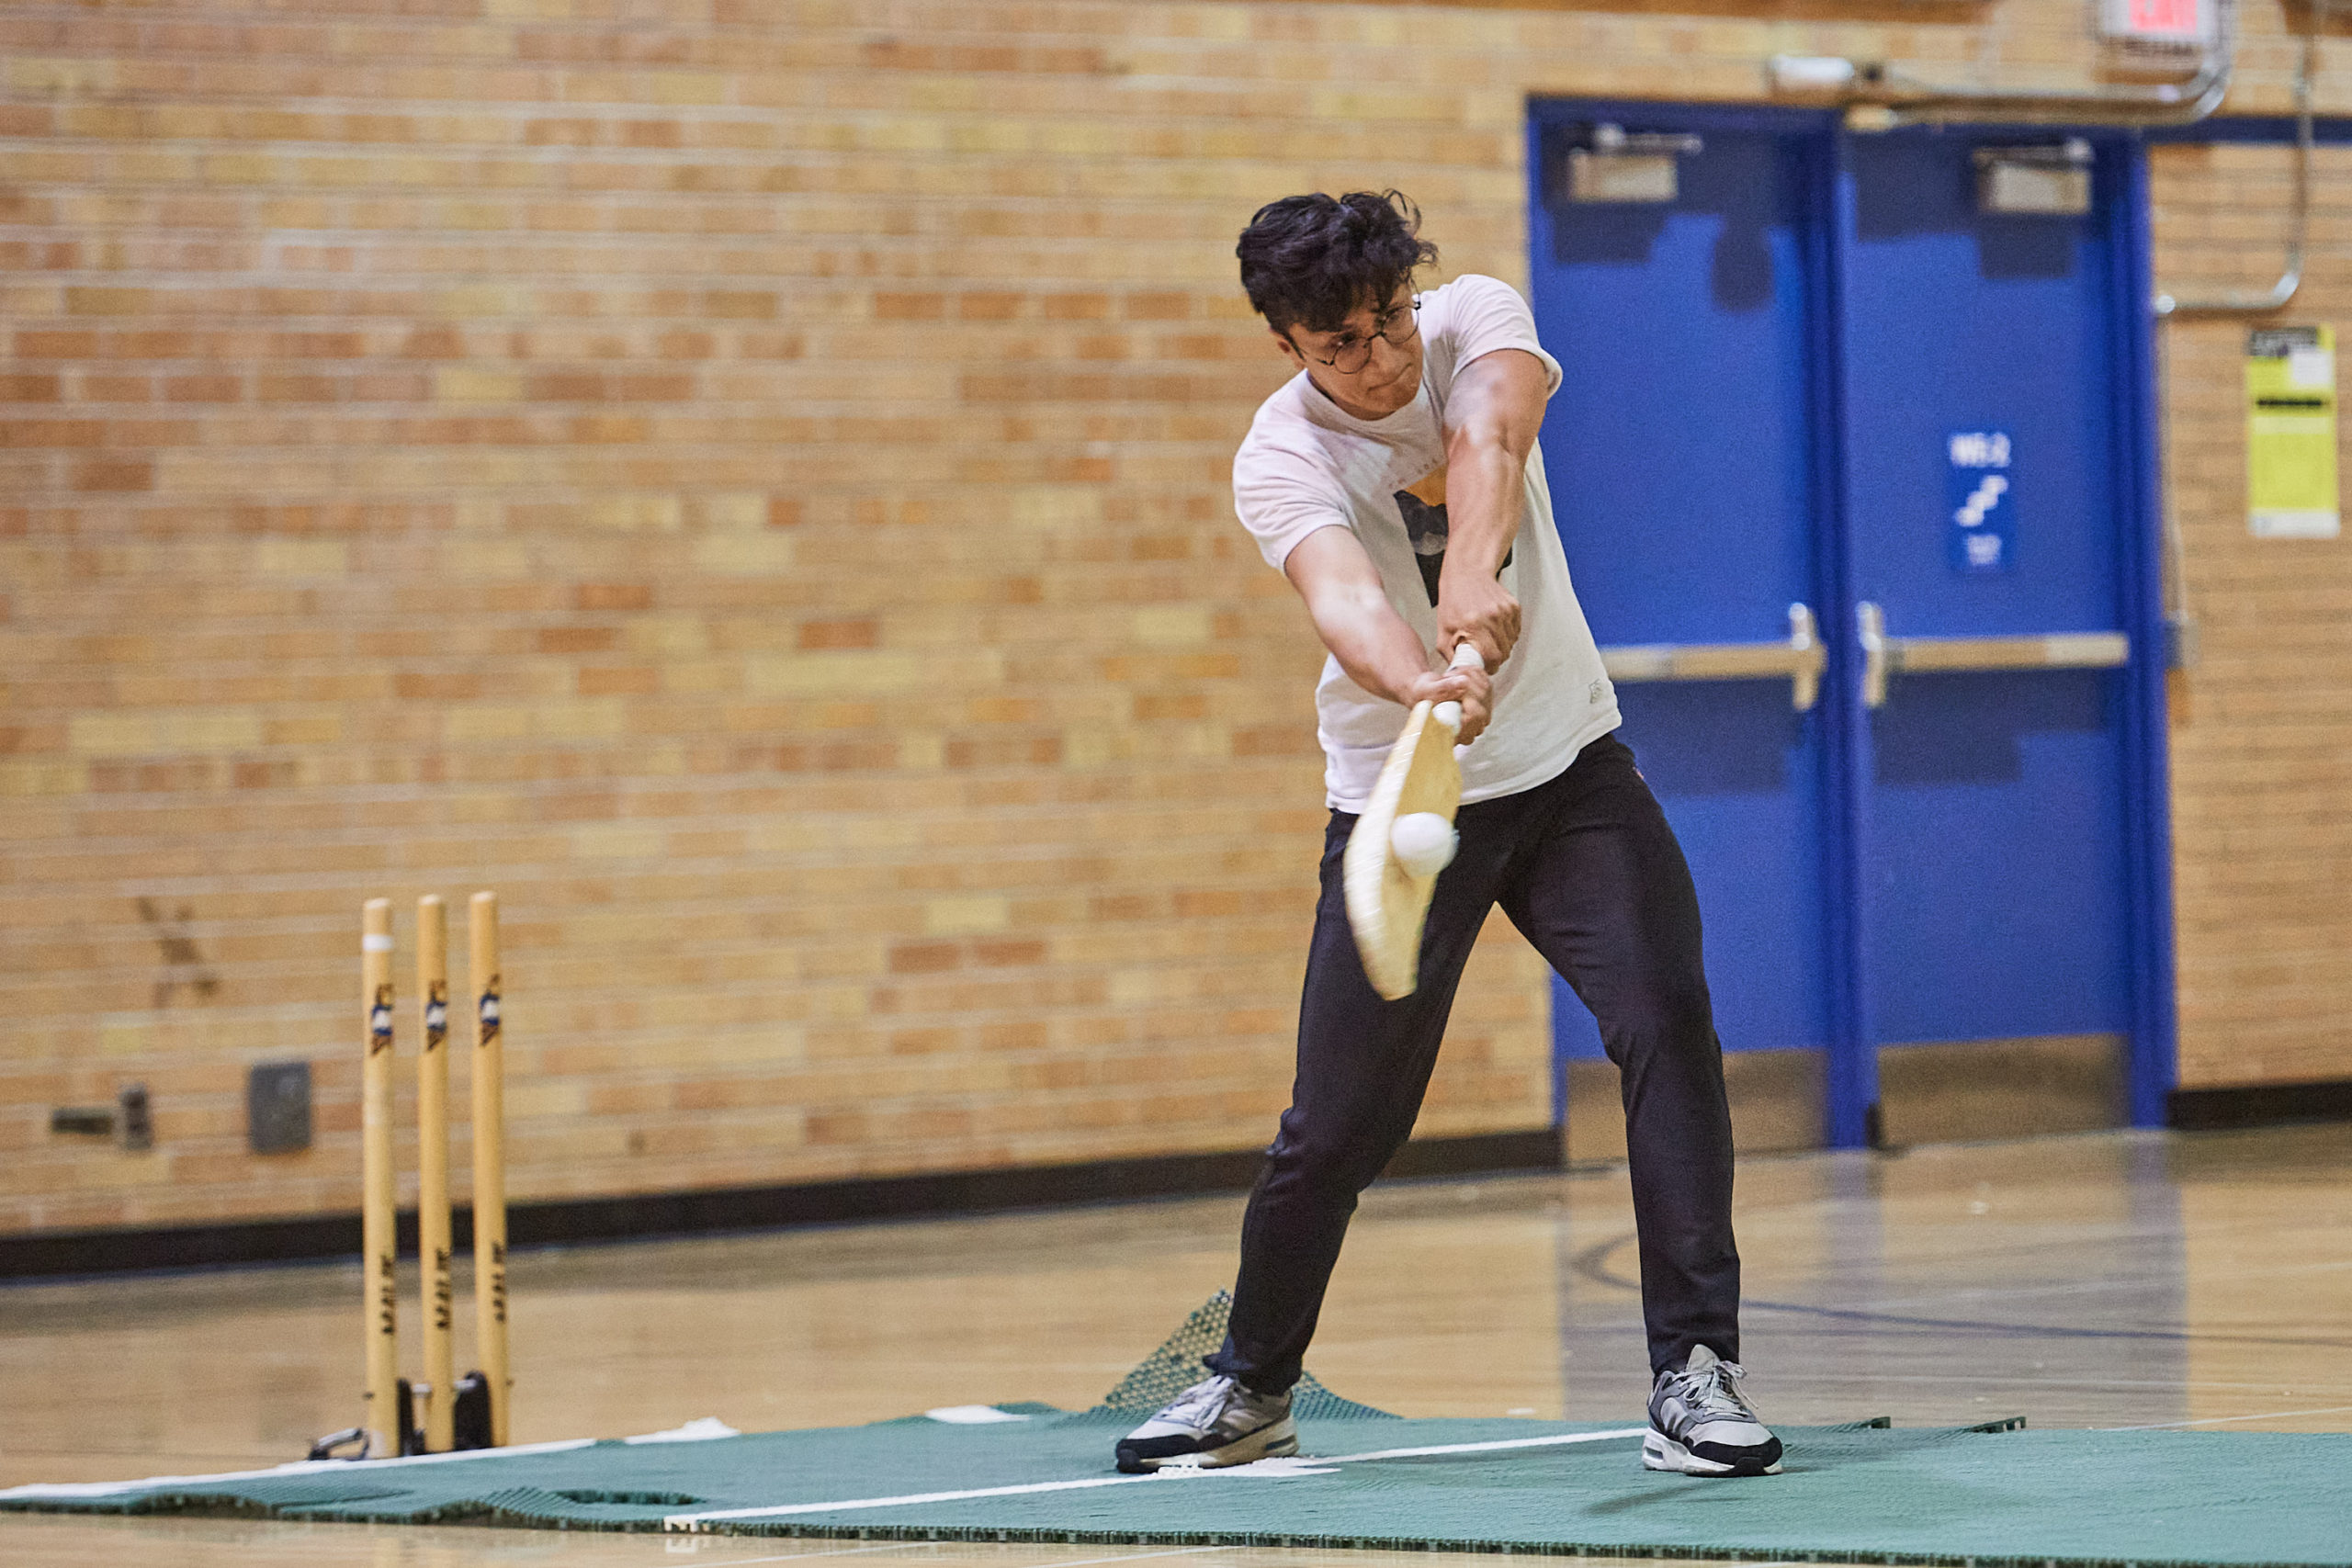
column 1588, row 869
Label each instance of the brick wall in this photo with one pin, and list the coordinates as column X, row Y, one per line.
column 747, row 480
column 2262, row 722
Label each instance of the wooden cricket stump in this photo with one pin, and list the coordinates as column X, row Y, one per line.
column 383, row 1421
column 440, row 1411
column 490, row 1162
column 437, row 1395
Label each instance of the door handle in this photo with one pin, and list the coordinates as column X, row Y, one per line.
column 1799, row 661
column 1870, row 630
column 1884, row 654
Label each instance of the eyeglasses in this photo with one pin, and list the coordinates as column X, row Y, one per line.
column 1396, row 325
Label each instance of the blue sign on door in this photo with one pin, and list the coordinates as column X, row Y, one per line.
column 1983, row 532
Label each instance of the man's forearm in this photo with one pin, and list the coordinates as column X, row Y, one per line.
column 1497, row 412
column 1375, row 644
column 1485, row 495
column 1370, row 640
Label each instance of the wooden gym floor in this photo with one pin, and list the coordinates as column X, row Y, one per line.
column 2112, row 1280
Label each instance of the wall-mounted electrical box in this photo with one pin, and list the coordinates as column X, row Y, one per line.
column 1606, row 162
column 2048, row 181
column 278, row 1107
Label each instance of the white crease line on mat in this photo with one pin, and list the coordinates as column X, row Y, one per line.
column 63, row 1491
column 801, row 1556
column 1263, row 1469
column 798, row 1556
column 2225, row 1420
column 1081, row 1562
column 1552, row 1442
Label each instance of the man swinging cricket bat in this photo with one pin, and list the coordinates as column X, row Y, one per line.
column 1396, row 480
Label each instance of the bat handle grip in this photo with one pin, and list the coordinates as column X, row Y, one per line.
column 1466, row 657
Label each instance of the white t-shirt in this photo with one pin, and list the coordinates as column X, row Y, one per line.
column 1306, row 465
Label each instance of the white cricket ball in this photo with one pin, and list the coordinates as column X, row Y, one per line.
column 1424, row 842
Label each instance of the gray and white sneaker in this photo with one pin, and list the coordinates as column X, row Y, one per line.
column 1701, row 1425
column 1212, row 1423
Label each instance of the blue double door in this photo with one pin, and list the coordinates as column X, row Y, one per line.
column 1855, row 482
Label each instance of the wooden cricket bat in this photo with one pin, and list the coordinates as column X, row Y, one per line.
column 1387, row 905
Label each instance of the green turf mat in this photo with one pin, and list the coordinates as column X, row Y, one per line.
column 1856, row 1493
column 1861, row 1494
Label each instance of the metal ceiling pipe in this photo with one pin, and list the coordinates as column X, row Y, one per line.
column 1878, row 98
column 2247, row 303
column 2166, row 103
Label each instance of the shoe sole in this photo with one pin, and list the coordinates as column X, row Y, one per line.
column 1277, row 1440
column 1662, row 1452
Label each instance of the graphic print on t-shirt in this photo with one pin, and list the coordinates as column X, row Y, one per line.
column 1422, row 507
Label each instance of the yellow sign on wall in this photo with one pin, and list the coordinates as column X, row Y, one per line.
column 2291, row 491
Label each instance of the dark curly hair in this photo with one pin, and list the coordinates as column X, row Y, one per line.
column 1310, row 261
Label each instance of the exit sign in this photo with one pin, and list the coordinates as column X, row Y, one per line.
column 2171, row 24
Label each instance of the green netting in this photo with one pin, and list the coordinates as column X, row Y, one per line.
column 1176, row 1366
column 1028, row 1473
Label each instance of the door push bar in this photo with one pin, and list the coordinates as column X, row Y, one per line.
column 1883, row 656
column 1798, row 660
